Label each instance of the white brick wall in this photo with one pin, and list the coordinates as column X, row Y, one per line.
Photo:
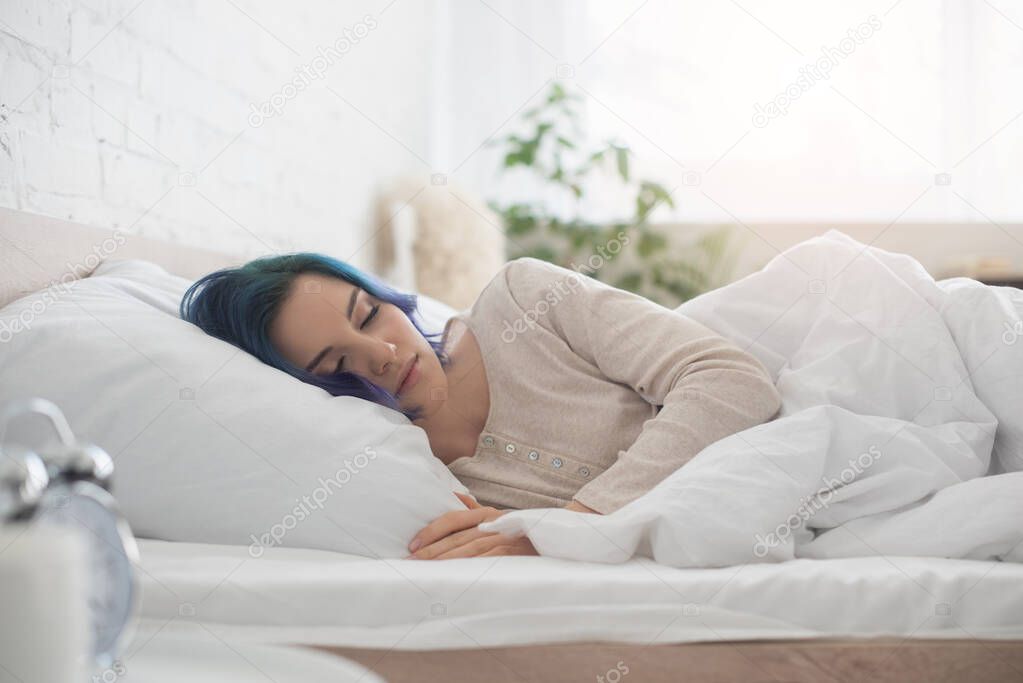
column 110, row 109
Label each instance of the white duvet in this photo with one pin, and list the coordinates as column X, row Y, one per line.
column 901, row 431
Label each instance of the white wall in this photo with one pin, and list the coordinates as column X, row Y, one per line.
column 137, row 115
column 108, row 105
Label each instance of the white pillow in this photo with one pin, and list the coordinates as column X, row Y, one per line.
column 210, row 444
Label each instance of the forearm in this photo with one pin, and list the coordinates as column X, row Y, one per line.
column 725, row 395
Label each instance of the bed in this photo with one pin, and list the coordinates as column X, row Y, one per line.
column 523, row 618
column 540, row 618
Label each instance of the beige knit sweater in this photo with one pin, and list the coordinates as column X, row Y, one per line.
column 596, row 393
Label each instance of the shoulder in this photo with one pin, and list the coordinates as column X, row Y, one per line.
column 528, row 265
column 529, row 279
column 522, row 283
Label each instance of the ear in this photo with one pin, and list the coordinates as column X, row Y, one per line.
column 469, row 501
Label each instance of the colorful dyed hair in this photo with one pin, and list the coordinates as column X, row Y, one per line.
column 238, row 305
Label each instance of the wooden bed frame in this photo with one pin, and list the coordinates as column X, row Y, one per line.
column 36, row 251
column 884, row 660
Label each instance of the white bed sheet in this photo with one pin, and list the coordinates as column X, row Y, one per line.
column 324, row 598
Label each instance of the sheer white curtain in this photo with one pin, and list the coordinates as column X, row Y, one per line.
column 908, row 110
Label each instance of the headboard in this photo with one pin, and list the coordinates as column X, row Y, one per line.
column 36, row 251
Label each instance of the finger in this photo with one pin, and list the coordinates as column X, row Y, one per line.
column 469, row 501
column 474, row 548
column 446, row 524
column 448, row 543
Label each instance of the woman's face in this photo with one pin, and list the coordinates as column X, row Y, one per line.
column 326, row 324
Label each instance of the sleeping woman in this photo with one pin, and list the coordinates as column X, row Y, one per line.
column 552, row 390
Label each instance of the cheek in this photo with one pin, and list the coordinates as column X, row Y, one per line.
column 433, row 372
column 399, row 327
column 282, row 345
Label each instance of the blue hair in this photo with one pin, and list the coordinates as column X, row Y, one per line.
column 238, row 305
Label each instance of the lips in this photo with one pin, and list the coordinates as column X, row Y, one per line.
column 405, row 373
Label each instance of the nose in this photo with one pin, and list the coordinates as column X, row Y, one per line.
column 382, row 355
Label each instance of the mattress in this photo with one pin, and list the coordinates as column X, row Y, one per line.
column 323, row 598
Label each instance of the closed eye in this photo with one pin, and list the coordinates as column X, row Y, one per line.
column 372, row 314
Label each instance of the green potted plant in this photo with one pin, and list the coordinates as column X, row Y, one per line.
column 554, row 150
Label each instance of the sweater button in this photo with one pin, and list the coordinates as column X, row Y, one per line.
column 585, row 471
column 510, row 448
column 533, row 455
column 556, row 462
column 488, row 441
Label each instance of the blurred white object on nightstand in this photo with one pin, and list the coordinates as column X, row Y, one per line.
column 44, row 626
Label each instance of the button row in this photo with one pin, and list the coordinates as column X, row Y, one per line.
column 556, row 463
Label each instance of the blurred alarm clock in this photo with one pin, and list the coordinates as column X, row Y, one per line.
column 69, row 485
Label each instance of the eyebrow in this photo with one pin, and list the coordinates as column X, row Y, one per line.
column 351, row 306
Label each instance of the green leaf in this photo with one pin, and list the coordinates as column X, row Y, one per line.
column 643, row 207
column 657, row 193
column 541, row 130
column 512, row 159
column 622, row 161
column 528, row 153
column 650, row 196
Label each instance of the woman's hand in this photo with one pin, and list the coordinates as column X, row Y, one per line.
column 454, row 534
